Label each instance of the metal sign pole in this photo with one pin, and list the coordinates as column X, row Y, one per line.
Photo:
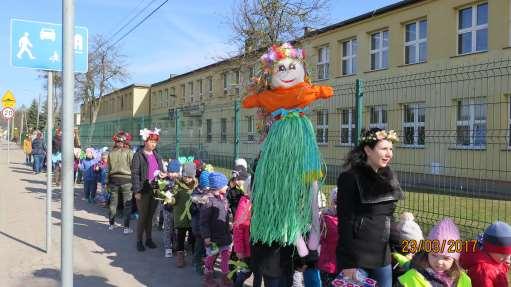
column 49, row 124
column 66, row 268
column 8, row 140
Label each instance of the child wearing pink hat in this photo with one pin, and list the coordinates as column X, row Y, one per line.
column 437, row 269
column 488, row 266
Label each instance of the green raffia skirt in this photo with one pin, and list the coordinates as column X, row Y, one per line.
column 289, row 163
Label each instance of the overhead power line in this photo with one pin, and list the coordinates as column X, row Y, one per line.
column 138, row 24
column 132, row 18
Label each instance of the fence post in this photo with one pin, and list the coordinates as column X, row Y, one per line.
column 359, row 102
column 236, row 129
column 178, row 134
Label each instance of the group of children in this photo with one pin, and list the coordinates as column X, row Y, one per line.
column 211, row 213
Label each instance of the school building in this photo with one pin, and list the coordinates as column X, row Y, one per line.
column 436, row 71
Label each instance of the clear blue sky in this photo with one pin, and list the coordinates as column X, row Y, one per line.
column 181, row 36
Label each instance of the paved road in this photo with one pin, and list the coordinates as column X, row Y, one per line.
column 101, row 257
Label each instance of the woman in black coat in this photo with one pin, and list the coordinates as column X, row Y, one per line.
column 368, row 192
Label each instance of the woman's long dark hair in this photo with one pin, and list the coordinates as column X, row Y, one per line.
column 357, row 156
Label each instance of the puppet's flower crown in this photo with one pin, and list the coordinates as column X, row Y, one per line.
column 276, row 53
column 371, row 137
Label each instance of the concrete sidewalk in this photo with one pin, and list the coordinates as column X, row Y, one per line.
column 101, row 257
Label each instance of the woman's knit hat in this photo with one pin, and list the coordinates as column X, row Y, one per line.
column 445, row 231
column 204, row 179
column 497, row 238
column 174, row 166
column 217, row 180
column 189, row 169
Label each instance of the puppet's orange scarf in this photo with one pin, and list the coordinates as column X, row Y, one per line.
column 297, row 96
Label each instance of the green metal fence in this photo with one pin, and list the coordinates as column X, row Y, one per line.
column 454, row 122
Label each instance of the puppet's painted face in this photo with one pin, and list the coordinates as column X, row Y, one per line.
column 287, row 73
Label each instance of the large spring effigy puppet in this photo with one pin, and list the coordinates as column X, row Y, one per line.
column 289, row 168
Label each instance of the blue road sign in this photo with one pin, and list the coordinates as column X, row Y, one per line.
column 38, row 45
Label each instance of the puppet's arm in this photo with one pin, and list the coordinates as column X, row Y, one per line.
column 251, row 101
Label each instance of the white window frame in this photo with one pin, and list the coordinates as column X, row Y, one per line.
column 166, row 97
column 210, row 86
column 323, row 65
column 235, row 85
column 509, row 126
column 183, row 92
column 379, row 51
column 225, row 79
column 350, row 60
column 323, row 113
column 380, row 123
column 251, row 73
column 201, row 88
column 209, row 130
column 350, row 126
column 190, row 87
column 223, row 130
column 473, row 29
column 251, row 135
column 471, row 122
column 416, row 124
column 416, row 43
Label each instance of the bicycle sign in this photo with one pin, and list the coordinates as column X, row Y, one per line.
column 8, row 113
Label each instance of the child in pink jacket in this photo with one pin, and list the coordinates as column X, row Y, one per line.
column 241, row 232
column 329, row 236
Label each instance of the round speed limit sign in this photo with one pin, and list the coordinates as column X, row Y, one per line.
column 8, row 113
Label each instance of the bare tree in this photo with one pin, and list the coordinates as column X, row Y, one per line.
column 106, row 69
column 57, row 92
column 258, row 24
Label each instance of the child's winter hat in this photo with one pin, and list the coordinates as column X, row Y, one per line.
column 444, row 231
column 217, row 180
column 189, row 169
column 204, row 179
column 174, row 166
column 89, row 149
column 497, row 238
column 407, row 229
column 242, row 162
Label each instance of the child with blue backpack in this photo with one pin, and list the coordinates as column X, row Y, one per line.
column 90, row 178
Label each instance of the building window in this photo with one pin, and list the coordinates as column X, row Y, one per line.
column 414, row 116
column 153, row 101
column 166, row 98
column 349, row 57
column 250, row 129
column 509, row 132
column 190, row 90
column 323, row 63
column 183, row 92
column 210, row 86
column 251, row 73
column 225, row 78
column 199, row 83
column 209, row 131
column 160, row 93
column 471, row 123
column 347, row 127
column 322, row 127
column 378, row 117
column 223, row 130
column 236, row 81
column 380, row 50
column 473, row 29
column 416, row 42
